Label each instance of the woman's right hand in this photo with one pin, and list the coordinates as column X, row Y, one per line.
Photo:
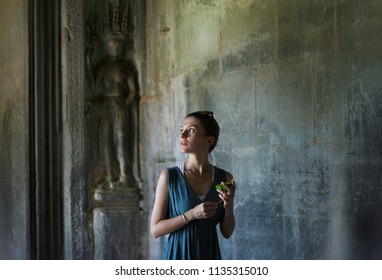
column 204, row 210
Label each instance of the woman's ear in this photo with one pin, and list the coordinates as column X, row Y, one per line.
column 210, row 140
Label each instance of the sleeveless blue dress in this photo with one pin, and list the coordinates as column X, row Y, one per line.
column 198, row 240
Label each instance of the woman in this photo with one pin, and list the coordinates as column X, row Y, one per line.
column 187, row 206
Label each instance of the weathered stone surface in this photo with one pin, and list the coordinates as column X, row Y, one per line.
column 118, row 233
column 14, row 160
column 295, row 87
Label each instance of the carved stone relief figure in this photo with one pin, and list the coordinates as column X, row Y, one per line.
column 112, row 103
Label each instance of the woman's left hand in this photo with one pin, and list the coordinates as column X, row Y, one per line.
column 228, row 197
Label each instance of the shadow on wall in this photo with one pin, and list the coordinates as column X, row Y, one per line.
column 368, row 232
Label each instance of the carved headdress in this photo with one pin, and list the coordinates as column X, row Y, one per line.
column 115, row 26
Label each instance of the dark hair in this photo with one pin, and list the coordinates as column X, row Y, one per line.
column 210, row 125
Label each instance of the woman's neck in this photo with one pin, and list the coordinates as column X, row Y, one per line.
column 198, row 166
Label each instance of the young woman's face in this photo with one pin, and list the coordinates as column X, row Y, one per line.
column 192, row 137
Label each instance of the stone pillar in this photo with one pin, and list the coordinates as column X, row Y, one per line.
column 112, row 130
column 116, row 224
column 101, row 176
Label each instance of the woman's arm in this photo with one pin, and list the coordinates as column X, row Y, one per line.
column 228, row 224
column 159, row 225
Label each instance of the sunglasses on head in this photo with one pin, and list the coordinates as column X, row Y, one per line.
column 205, row 113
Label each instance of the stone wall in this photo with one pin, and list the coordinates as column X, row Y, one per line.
column 14, row 206
column 296, row 88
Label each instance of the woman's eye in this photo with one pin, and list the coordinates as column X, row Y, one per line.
column 192, row 130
